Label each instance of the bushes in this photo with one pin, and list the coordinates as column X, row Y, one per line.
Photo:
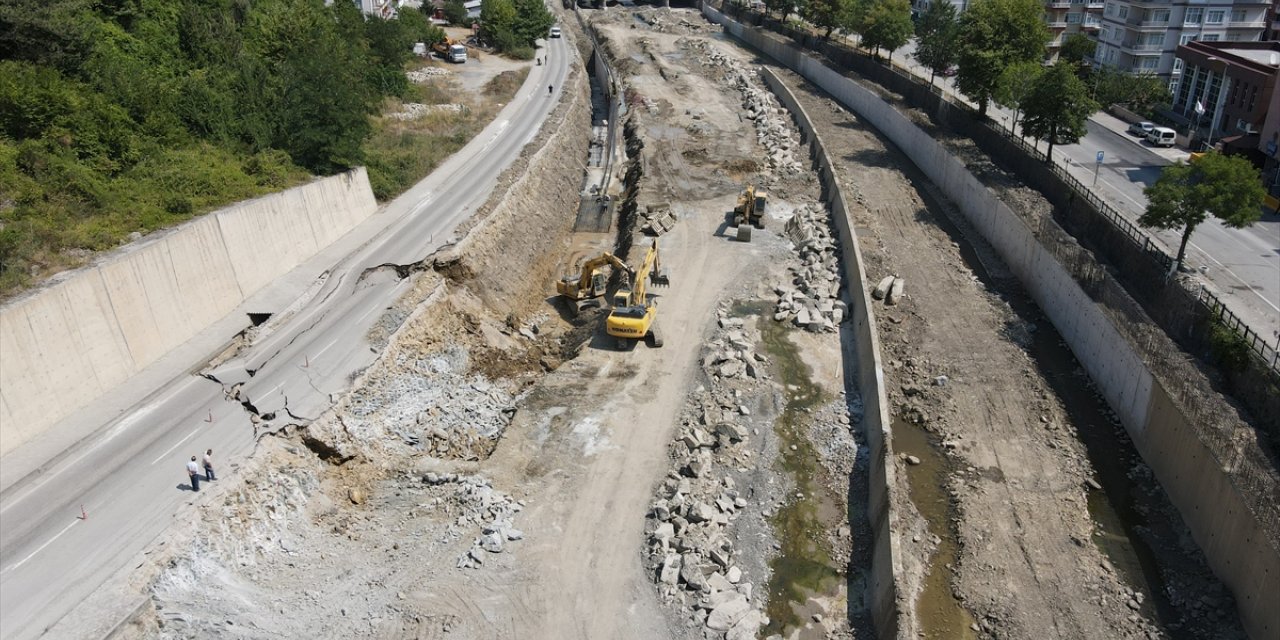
column 118, row 117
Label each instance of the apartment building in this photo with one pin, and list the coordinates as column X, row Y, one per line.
column 1067, row 17
column 1143, row 36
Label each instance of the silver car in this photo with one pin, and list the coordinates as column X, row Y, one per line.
column 1141, row 129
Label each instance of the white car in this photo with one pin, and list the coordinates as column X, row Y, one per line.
column 1141, row 129
column 555, row 32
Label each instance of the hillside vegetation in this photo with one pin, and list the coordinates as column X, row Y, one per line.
column 123, row 116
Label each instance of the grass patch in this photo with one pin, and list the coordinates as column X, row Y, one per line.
column 402, row 152
column 55, row 211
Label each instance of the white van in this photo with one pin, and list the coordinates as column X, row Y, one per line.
column 555, row 32
column 1162, row 137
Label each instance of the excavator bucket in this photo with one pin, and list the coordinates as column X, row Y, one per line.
column 744, row 231
column 659, row 278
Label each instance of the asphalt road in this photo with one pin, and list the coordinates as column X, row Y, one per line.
column 130, row 477
column 1243, row 265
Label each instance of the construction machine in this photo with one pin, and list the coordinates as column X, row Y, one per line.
column 634, row 314
column 451, row 50
column 584, row 290
column 749, row 212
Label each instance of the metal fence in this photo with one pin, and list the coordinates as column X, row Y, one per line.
column 1212, row 306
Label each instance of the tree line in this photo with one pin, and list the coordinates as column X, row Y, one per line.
column 127, row 115
column 997, row 49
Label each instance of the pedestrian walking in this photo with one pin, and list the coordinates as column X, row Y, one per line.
column 550, row 89
column 208, row 466
column 193, row 472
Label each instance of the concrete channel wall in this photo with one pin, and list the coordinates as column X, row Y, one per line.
column 72, row 341
column 886, row 562
column 1237, row 545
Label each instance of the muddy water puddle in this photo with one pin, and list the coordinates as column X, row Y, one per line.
column 940, row 614
column 803, row 569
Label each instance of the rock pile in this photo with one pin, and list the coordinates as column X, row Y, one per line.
column 478, row 503
column 426, row 73
column 658, row 219
column 774, row 130
column 430, row 403
column 690, row 549
column 813, row 299
column 415, row 110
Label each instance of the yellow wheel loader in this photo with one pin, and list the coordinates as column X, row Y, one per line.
column 634, row 315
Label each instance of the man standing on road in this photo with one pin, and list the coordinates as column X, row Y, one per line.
column 550, row 89
column 193, row 472
column 208, row 466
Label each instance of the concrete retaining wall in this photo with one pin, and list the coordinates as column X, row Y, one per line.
column 886, row 564
column 72, row 341
column 1236, row 544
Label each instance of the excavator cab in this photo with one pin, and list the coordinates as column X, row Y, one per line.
column 582, row 291
column 749, row 212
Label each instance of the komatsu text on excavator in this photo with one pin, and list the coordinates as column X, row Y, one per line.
column 634, row 314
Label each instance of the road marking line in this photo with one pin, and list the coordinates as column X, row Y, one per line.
column 170, row 450
column 41, row 548
column 122, row 424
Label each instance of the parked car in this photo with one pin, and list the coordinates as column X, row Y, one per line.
column 1141, row 129
column 1162, row 137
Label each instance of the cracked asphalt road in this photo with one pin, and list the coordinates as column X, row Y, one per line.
column 129, row 476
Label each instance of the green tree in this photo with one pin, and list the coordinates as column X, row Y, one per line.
column 936, row 37
column 1057, row 107
column 1077, row 48
column 887, row 25
column 1139, row 92
column 1227, row 187
column 533, row 21
column 993, row 35
column 1015, row 85
column 455, row 12
column 497, row 20
column 58, row 33
column 782, row 7
column 825, row 14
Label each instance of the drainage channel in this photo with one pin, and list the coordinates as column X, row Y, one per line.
column 803, row 568
column 1114, row 508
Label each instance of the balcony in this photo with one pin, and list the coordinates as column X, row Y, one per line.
column 1092, row 25
column 1247, row 24
column 1060, row 4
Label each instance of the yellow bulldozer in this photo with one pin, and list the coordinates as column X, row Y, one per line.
column 582, row 291
column 634, row 314
column 749, row 212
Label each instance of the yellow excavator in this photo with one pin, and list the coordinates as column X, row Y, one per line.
column 582, row 291
column 634, row 314
column 749, row 212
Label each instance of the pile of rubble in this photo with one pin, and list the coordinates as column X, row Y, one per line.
column 479, row 503
column 431, row 403
column 658, row 219
column 813, row 299
column 690, row 549
column 426, row 73
column 415, row 110
column 772, row 121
